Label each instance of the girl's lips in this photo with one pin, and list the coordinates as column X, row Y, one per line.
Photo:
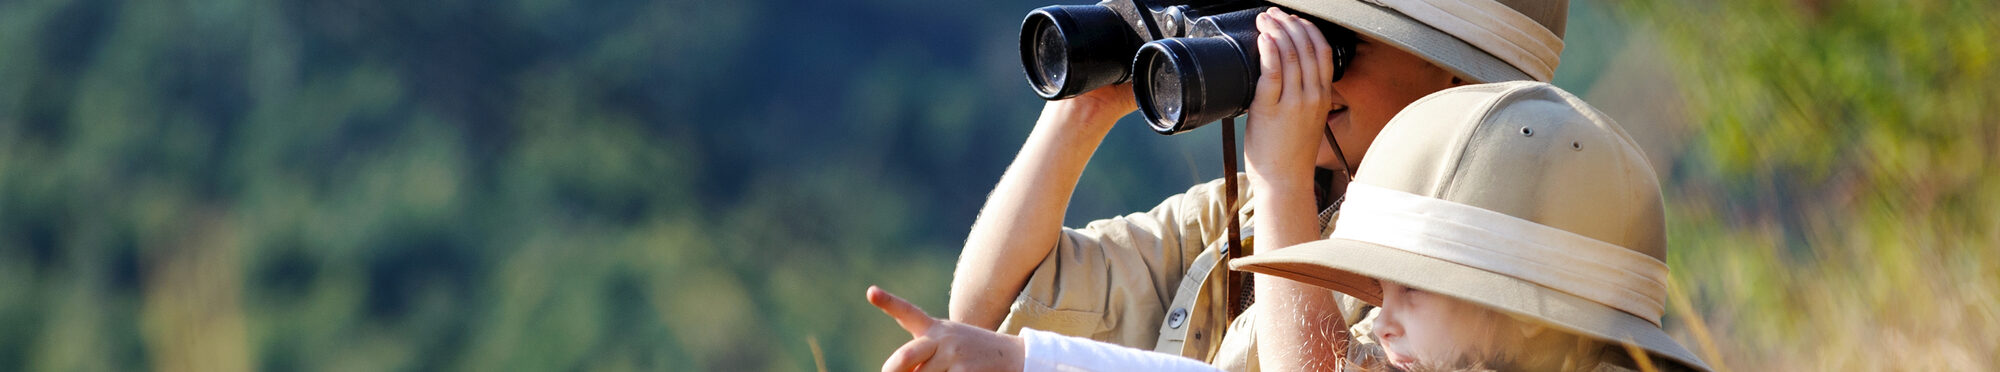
column 1402, row 362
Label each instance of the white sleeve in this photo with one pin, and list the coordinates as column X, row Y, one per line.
column 1050, row 352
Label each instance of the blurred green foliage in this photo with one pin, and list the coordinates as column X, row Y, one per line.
column 1834, row 210
column 510, row 185
column 682, row 185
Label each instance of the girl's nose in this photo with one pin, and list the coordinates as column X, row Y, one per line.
column 1386, row 326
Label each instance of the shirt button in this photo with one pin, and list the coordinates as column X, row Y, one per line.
column 1177, row 318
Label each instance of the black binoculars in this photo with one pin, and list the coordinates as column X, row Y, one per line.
column 1196, row 60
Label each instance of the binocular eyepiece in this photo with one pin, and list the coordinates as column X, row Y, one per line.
column 1195, row 62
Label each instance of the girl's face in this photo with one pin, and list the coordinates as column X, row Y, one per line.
column 1379, row 83
column 1416, row 327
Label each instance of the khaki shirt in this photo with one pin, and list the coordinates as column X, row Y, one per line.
column 1151, row 280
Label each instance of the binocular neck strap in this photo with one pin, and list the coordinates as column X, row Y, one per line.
column 1333, row 190
column 1238, row 284
column 1346, row 171
column 1239, row 291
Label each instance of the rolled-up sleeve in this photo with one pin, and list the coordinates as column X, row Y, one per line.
column 1113, row 279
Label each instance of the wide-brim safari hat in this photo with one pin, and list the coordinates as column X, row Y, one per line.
column 1515, row 196
column 1483, row 41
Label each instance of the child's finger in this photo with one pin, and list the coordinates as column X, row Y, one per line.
column 1270, row 82
column 913, row 354
column 1288, row 55
column 1302, row 41
column 911, row 317
column 1324, row 51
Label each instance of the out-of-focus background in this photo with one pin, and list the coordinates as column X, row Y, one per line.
column 222, row 185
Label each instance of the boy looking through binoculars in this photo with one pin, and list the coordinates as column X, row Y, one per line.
column 1143, row 280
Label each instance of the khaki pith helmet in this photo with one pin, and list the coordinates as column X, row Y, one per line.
column 1515, row 196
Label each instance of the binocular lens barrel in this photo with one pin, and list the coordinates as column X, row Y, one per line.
column 1187, row 82
column 1067, row 49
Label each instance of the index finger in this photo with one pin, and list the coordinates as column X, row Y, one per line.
column 911, row 317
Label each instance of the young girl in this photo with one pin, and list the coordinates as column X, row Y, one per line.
column 1511, row 227
column 1514, row 227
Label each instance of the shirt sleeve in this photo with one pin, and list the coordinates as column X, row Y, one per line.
column 1049, row 352
column 1113, row 279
